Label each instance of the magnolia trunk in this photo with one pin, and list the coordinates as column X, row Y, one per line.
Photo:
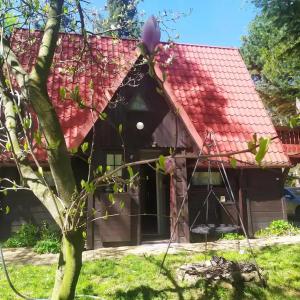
column 69, row 266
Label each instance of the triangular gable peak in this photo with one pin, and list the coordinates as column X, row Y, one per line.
column 213, row 91
column 141, row 103
column 209, row 86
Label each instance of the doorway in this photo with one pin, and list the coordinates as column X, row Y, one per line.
column 155, row 204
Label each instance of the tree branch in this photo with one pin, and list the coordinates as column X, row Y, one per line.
column 34, row 182
column 17, row 70
column 41, row 70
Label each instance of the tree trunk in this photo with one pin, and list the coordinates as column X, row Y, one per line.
column 69, row 266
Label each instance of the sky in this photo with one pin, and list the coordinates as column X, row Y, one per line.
column 211, row 22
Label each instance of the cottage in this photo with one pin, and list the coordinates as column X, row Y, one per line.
column 209, row 104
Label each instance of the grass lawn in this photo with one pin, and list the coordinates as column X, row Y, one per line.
column 137, row 277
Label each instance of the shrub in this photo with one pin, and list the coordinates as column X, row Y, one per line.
column 47, row 246
column 44, row 238
column 49, row 232
column 26, row 236
column 278, row 228
column 232, row 236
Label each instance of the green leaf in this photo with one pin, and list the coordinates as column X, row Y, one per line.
column 27, row 122
column 294, row 121
column 40, row 171
column 26, row 147
column 111, row 198
column 74, row 150
column 37, row 135
column 262, row 150
column 7, row 210
column 120, row 128
column 103, row 116
column 91, row 84
column 84, row 147
column 8, row 146
column 82, row 183
column 161, row 161
column 252, row 147
column 122, row 204
column 75, row 95
column 99, row 169
column 115, row 187
column 62, row 92
column 159, row 91
column 130, row 171
column 233, row 162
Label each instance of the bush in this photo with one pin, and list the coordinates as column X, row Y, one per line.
column 44, row 238
column 47, row 246
column 278, row 228
column 26, row 236
column 48, row 232
column 232, row 236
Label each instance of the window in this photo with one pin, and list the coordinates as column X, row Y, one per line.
column 202, row 178
column 113, row 161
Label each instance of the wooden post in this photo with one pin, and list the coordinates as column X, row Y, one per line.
column 178, row 190
column 241, row 200
column 249, row 218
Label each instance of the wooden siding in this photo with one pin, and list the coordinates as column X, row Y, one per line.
column 112, row 224
column 263, row 193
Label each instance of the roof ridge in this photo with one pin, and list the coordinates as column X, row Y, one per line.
column 203, row 45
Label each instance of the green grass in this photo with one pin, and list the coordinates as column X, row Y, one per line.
column 137, row 277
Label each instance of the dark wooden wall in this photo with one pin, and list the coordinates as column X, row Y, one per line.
column 263, row 192
column 23, row 205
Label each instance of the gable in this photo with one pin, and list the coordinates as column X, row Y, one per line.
column 214, row 93
column 143, row 104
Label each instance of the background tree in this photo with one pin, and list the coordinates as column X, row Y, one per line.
column 271, row 51
column 122, row 19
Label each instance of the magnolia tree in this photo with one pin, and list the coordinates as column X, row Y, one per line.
column 24, row 97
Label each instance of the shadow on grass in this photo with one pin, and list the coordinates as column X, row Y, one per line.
column 203, row 289
column 173, row 288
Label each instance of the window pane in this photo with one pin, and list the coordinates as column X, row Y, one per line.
column 203, row 178
column 118, row 159
column 110, row 160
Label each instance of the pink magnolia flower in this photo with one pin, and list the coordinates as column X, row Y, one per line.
column 151, row 34
column 169, row 165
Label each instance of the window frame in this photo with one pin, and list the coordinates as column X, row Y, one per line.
column 114, row 165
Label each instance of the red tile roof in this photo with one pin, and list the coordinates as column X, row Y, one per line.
column 210, row 86
column 106, row 64
column 214, row 92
